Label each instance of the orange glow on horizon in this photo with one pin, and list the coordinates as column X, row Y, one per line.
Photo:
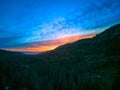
column 50, row 45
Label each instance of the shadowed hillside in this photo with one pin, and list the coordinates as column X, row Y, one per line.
column 108, row 42
column 89, row 64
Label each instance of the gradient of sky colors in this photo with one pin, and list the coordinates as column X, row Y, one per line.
column 43, row 46
column 39, row 25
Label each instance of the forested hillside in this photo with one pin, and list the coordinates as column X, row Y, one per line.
column 89, row 64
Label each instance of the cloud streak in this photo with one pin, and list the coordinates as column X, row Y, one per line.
column 47, row 45
column 39, row 23
column 98, row 14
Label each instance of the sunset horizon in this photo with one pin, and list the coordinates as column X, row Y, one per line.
column 59, row 44
column 39, row 25
column 38, row 47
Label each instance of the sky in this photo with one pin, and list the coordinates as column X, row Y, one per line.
column 42, row 25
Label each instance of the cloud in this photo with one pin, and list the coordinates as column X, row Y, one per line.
column 47, row 45
column 97, row 15
column 93, row 19
column 11, row 39
column 54, row 30
column 27, row 27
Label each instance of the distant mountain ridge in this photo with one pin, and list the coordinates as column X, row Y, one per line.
column 8, row 52
column 110, row 33
column 89, row 64
column 85, row 46
column 99, row 44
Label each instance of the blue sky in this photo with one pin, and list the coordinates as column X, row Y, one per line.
column 29, row 21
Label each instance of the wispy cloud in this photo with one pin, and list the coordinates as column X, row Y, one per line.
column 23, row 27
column 98, row 14
column 47, row 45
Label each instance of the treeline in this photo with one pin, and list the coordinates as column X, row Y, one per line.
column 94, row 72
column 91, row 64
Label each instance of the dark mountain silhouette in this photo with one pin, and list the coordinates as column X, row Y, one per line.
column 89, row 64
column 8, row 52
column 107, row 43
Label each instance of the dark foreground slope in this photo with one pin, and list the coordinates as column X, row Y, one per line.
column 90, row 64
column 107, row 43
